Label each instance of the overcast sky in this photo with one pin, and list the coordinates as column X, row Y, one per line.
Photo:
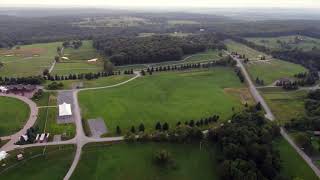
column 167, row 3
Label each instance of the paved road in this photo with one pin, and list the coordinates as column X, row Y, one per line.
column 32, row 119
column 270, row 116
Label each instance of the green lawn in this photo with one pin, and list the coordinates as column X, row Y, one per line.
column 13, row 115
column 85, row 52
column 77, row 67
column 285, row 104
column 135, row 162
column 305, row 43
column 28, row 60
column 269, row 71
column 103, row 81
column 51, row 166
column 165, row 97
column 293, row 165
column 274, row 70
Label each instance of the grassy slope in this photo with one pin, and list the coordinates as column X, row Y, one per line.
column 267, row 71
column 104, row 81
column 13, row 115
column 134, row 162
column 85, row 52
column 271, row 42
column 52, row 166
column 292, row 164
column 166, row 97
column 285, row 104
column 29, row 65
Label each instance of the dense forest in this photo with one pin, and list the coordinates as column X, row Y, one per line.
column 135, row 50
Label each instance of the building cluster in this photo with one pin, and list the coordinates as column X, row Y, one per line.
column 20, row 88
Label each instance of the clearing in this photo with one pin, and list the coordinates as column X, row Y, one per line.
column 135, row 161
column 11, row 121
column 164, row 97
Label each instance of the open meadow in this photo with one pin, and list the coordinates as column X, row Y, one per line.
column 27, row 60
column 10, row 120
column 268, row 70
column 287, row 42
column 284, row 104
column 165, row 97
column 135, row 162
column 51, row 165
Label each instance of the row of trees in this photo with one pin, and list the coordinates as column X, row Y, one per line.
column 137, row 50
column 33, row 80
column 76, row 44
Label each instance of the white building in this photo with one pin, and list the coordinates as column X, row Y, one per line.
column 65, row 109
column 3, row 89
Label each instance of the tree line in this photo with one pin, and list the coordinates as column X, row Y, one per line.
column 138, row 50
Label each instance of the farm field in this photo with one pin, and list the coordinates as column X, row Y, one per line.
column 268, row 70
column 11, row 121
column 103, row 81
column 85, row 52
column 28, row 60
column 76, row 67
column 53, row 165
column 284, row 104
column 287, row 42
column 47, row 118
column 135, row 161
column 293, row 165
column 164, row 97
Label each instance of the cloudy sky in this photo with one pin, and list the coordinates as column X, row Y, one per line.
column 167, row 3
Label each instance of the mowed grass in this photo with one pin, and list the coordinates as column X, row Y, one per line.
column 28, row 60
column 85, row 52
column 270, row 70
column 305, row 43
column 293, row 165
column 53, row 165
column 76, row 67
column 274, row 70
column 135, row 162
column 101, row 82
column 285, row 104
column 13, row 115
column 164, row 97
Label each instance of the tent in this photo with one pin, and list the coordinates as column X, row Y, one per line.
column 65, row 109
column 3, row 89
column 3, row 155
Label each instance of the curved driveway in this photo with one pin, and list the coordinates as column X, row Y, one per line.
column 30, row 122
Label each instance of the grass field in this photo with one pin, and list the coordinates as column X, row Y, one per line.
column 47, row 118
column 285, row 104
column 51, row 166
column 85, row 52
column 274, row 70
column 134, row 162
column 28, row 60
column 77, row 67
column 103, row 81
column 165, row 97
column 293, row 165
column 269, row 71
column 305, row 43
column 13, row 115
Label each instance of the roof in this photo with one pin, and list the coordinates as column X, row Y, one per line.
column 2, row 88
column 3, row 155
column 93, row 60
column 65, row 109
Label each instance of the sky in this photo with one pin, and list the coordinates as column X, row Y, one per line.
column 166, row 3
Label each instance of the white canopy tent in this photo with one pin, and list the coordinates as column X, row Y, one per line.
column 3, row 155
column 65, row 109
column 3, row 89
